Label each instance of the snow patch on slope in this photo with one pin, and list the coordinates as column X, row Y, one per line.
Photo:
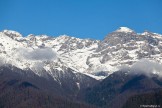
column 91, row 57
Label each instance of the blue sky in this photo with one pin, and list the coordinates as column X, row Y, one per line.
column 80, row 18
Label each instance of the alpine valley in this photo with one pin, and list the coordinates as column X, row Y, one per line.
column 121, row 71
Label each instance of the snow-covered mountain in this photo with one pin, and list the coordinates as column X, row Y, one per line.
column 95, row 58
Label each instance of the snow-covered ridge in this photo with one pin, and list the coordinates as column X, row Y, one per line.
column 95, row 58
column 12, row 33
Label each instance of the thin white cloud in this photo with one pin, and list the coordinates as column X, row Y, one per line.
column 37, row 54
column 147, row 67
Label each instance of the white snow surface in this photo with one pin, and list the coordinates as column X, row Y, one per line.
column 86, row 56
column 124, row 29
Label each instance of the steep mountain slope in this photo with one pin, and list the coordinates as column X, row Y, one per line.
column 24, row 89
column 68, row 85
column 116, row 90
column 95, row 58
column 106, row 73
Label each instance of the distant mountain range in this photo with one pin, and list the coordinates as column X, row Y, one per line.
column 43, row 71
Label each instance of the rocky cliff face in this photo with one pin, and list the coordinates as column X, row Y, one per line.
column 95, row 58
column 94, row 71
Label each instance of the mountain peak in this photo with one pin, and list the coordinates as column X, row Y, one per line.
column 12, row 33
column 124, row 29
